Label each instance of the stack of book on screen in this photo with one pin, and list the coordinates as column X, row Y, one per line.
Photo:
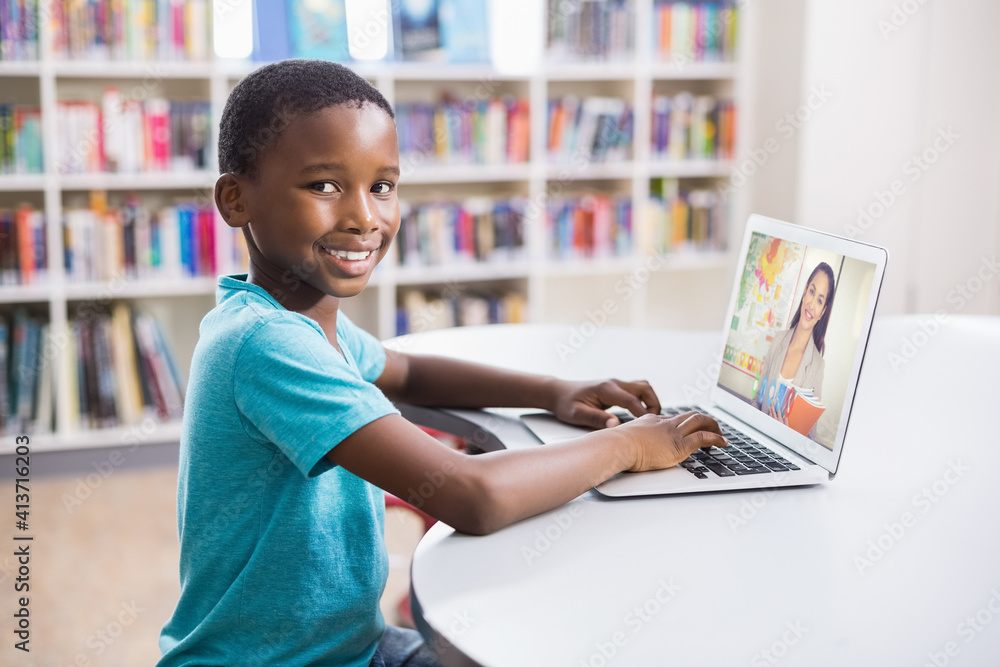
column 597, row 129
column 464, row 132
column 590, row 29
column 128, row 135
column 26, row 389
column 685, row 32
column 688, row 220
column 133, row 242
column 590, row 226
column 689, row 127
column 19, row 30
column 22, row 246
column 457, row 306
column 132, row 29
column 20, row 139
column 121, row 370
column 478, row 229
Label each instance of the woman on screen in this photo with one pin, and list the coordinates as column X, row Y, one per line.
column 796, row 354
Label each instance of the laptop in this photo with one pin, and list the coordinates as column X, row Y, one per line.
column 794, row 336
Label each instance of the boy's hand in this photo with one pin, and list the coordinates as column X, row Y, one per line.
column 583, row 403
column 662, row 442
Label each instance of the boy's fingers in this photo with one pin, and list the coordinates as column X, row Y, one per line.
column 697, row 421
column 617, row 394
column 584, row 415
column 645, row 392
column 702, row 439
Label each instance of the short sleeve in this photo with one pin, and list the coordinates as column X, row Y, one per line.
column 366, row 350
column 293, row 389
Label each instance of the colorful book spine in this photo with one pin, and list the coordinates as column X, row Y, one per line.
column 478, row 132
column 422, row 311
column 687, row 32
column 133, row 242
column 20, row 139
column 599, row 129
column 130, row 29
column 589, row 226
column 19, row 30
column 688, row 127
column 24, row 367
column 692, row 220
column 121, row 370
column 590, row 30
column 474, row 230
column 130, row 136
column 23, row 249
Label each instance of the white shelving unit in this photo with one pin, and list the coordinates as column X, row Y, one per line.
column 180, row 305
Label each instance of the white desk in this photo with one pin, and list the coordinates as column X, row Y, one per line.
column 862, row 571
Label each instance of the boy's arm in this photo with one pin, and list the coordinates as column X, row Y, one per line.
column 483, row 493
column 445, row 382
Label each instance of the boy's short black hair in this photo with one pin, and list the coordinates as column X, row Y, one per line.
column 264, row 101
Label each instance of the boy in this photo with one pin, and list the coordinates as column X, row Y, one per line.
column 288, row 426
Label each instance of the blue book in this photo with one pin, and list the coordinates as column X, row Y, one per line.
column 318, row 29
column 465, row 33
column 185, row 231
column 416, row 29
column 271, row 40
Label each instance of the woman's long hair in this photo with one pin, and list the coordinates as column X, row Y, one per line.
column 819, row 331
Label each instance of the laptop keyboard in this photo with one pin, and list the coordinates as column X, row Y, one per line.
column 743, row 456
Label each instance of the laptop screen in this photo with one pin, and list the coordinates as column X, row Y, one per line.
column 797, row 330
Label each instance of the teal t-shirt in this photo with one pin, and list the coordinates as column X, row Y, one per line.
column 283, row 556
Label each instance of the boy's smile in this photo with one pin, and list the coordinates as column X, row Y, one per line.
column 322, row 210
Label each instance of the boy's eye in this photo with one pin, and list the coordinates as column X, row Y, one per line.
column 382, row 188
column 325, row 186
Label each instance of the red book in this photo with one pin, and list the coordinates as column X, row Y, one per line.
column 25, row 245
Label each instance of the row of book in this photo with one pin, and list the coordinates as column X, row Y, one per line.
column 589, row 226
column 130, row 29
column 464, row 132
column 26, row 388
column 689, row 127
column 19, row 30
column 598, row 129
column 456, row 306
column 129, row 136
column 691, row 220
column 22, row 246
column 685, row 32
column 455, row 31
column 133, row 241
column 590, row 29
column 477, row 229
column 20, row 139
column 121, row 370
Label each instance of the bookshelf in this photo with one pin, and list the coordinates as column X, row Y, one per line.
column 554, row 290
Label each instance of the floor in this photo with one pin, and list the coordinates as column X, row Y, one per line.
column 103, row 566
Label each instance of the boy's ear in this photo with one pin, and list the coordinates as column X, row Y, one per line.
column 230, row 200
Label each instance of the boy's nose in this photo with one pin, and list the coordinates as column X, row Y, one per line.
column 358, row 215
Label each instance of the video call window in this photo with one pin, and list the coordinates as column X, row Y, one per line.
column 795, row 333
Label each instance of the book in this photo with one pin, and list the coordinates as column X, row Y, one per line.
column 464, row 28
column 689, row 127
column 684, row 220
column 420, row 311
column 317, row 29
column 797, row 405
column 592, row 225
column 599, row 30
column 686, row 32
column 598, row 129
column 476, row 229
column 416, row 29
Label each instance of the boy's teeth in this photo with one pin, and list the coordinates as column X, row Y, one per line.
column 348, row 254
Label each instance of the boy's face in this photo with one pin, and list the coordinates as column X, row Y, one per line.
column 323, row 208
